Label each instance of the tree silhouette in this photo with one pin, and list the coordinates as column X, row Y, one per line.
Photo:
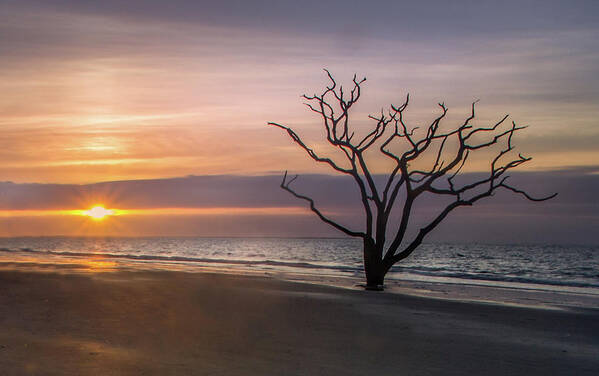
column 379, row 199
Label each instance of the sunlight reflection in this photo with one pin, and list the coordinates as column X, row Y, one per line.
column 100, row 264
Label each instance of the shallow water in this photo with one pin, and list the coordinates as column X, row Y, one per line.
column 553, row 267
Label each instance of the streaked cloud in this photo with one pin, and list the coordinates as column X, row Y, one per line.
column 157, row 212
column 229, row 205
column 141, row 90
column 103, row 91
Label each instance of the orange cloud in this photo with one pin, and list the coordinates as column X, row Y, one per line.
column 264, row 211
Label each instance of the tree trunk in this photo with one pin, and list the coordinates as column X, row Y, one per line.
column 373, row 267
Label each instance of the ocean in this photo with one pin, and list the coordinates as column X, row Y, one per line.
column 547, row 267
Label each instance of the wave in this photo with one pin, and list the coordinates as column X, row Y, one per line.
column 395, row 272
column 198, row 260
column 489, row 276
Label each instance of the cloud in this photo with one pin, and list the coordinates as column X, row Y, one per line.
column 129, row 90
column 568, row 219
column 417, row 19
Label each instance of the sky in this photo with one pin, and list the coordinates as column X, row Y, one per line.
column 151, row 91
column 227, row 205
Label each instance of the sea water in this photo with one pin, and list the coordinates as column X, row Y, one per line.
column 552, row 267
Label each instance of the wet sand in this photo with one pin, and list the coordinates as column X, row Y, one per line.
column 178, row 323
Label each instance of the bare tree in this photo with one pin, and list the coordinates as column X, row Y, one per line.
column 333, row 106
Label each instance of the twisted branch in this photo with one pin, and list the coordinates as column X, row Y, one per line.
column 333, row 105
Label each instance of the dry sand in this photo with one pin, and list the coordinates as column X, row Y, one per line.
column 177, row 323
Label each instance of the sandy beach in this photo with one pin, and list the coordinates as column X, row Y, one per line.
column 60, row 322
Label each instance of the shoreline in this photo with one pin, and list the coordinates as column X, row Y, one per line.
column 157, row 322
column 555, row 269
column 490, row 292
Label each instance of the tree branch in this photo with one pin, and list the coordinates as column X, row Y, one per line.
column 308, row 150
column 334, row 104
column 286, row 186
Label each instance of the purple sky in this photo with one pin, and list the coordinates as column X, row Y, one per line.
column 95, row 91
column 571, row 218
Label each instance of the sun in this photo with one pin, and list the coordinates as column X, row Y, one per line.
column 98, row 212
